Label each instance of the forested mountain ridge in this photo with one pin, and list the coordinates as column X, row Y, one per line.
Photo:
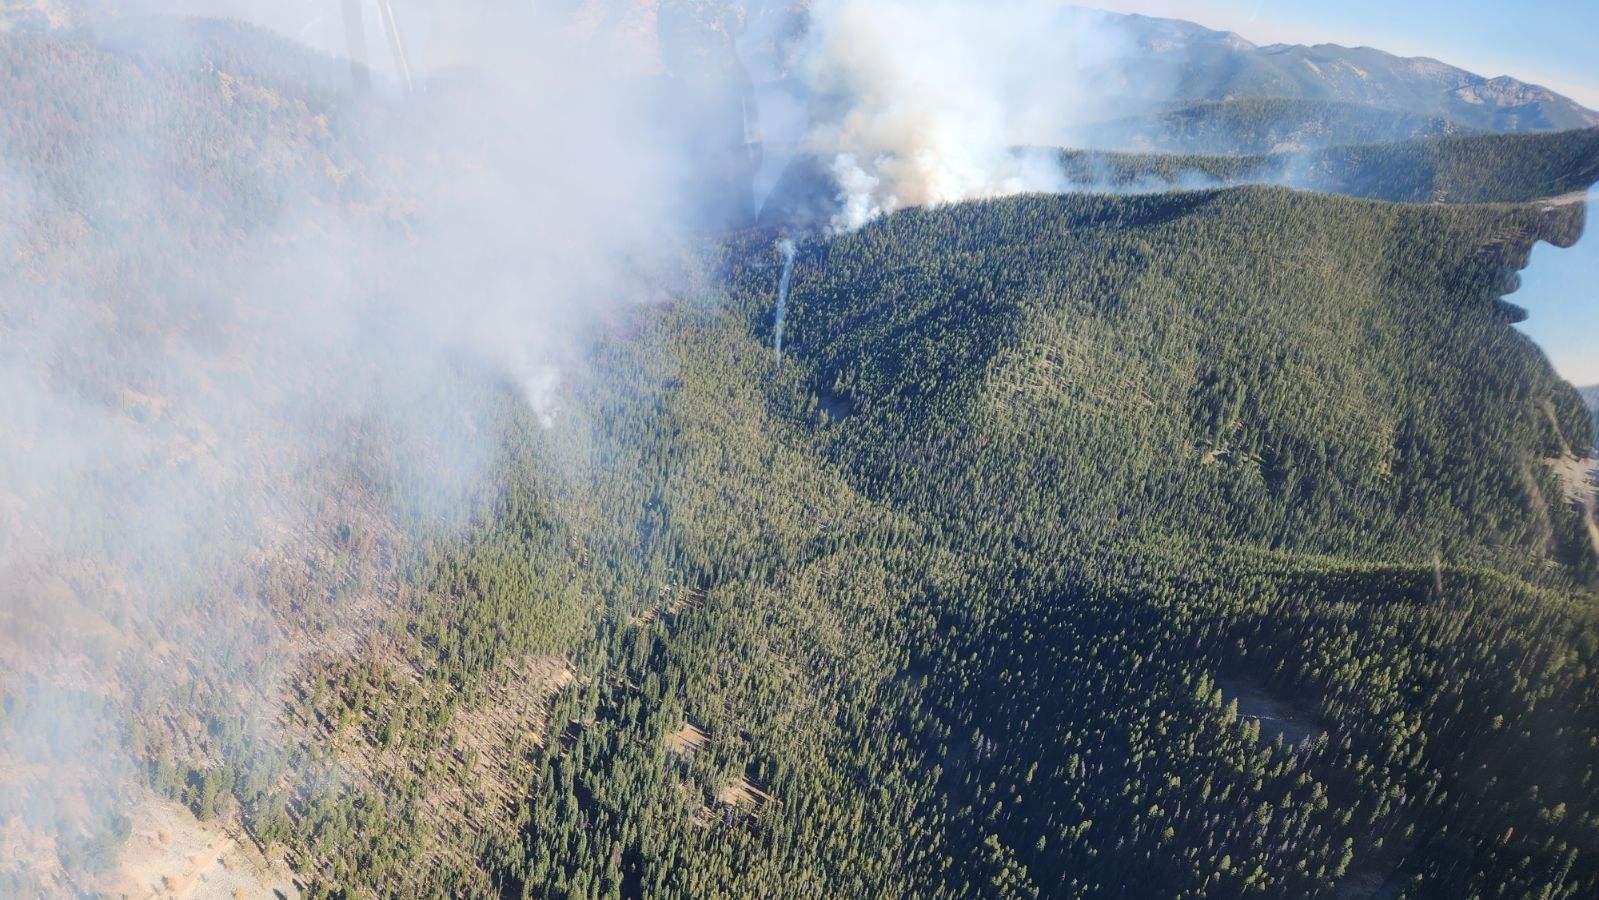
column 1455, row 169
column 1020, row 358
column 1198, row 543
column 1259, row 125
column 1011, row 415
column 1459, row 169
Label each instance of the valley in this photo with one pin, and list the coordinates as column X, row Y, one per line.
column 401, row 501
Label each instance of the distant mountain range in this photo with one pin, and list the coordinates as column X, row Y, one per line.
column 1188, row 64
column 1176, row 87
column 1169, row 61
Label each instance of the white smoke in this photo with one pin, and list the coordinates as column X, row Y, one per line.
column 934, row 101
column 190, row 403
column 787, row 248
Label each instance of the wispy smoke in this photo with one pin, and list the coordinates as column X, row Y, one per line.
column 787, row 248
column 920, row 103
column 221, row 352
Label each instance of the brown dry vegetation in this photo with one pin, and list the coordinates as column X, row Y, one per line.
column 171, row 854
column 687, row 740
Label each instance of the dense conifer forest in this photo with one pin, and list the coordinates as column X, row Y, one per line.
column 1187, row 543
column 1072, row 549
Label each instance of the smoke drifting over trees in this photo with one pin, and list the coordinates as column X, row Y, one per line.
column 251, row 309
column 297, row 364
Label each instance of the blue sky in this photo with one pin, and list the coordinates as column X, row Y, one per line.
column 1560, row 290
column 1550, row 42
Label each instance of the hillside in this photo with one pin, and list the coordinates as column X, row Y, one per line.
column 876, row 355
column 928, row 526
column 1206, row 542
column 843, row 597
column 1037, row 377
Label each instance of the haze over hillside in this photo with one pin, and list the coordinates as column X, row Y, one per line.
column 460, row 490
column 885, row 126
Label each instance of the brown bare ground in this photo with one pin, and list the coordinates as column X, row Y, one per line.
column 743, row 795
column 171, row 854
column 1569, row 199
column 687, row 740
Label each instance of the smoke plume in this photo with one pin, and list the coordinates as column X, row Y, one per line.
column 919, row 103
column 787, row 248
column 255, row 328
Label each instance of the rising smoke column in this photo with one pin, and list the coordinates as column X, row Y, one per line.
column 787, row 248
column 923, row 102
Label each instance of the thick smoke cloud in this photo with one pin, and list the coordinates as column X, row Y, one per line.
column 921, row 103
column 218, row 366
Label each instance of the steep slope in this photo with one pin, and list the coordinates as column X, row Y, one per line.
column 1130, row 411
column 1021, row 305
column 268, row 624
column 142, row 650
column 1002, row 583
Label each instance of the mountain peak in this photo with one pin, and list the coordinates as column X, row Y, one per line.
column 1209, row 65
column 1156, row 33
column 1504, row 91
